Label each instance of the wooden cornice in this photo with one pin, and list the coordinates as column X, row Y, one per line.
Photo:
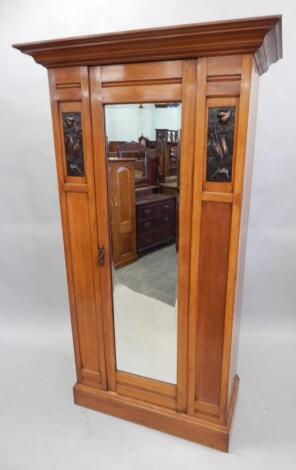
column 260, row 36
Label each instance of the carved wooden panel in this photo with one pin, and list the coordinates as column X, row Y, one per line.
column 73, row 143
column 220, row 144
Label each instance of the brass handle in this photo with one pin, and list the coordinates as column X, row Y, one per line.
column 147, row 224
column 166, row 218
column 166, row 206
column 147, row 211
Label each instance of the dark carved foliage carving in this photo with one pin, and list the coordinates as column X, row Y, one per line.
column 220, row 144
column 73, row 143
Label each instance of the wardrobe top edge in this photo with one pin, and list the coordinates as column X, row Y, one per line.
column 261, row 36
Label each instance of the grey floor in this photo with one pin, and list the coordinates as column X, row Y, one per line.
column 154, row 274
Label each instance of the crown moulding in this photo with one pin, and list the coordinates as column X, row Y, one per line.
column 259, row 36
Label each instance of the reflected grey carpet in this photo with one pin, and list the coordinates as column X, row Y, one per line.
column 155, row 275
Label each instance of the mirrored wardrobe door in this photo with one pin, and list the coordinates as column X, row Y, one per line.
column 147, row 201
column 143, row 158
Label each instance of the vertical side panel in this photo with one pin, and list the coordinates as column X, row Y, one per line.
column 186, row 183
column 215, row 231
column 236, row 220
column 101, row 182
column 212, row 283
column 199, row 150
column 82, row 271
column 244, row 220
column 69, row 93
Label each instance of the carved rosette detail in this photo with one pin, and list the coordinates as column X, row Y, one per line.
column 73, row 143
column 220, row 144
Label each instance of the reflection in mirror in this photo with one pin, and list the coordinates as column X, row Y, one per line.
column 143, row 160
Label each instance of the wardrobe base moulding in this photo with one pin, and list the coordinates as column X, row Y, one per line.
column 171, row 422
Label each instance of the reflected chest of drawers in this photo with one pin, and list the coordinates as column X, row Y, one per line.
column 155, row 215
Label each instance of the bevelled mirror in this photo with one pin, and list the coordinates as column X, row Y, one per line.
column 143, row 162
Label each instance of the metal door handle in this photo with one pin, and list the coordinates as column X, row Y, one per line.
column 101, row 255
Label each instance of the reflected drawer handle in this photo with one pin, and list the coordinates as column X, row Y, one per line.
column 147, row 211
column 166, row 218
column 166, row 206
column 147, row 224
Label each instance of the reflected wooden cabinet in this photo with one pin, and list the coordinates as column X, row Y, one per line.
column 123, row 211
column 156, row 341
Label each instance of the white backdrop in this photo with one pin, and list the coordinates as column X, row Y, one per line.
column 42, row 427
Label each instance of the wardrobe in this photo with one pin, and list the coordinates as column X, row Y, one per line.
column 156, row 334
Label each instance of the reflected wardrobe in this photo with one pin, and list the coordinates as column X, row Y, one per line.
column 154, row 138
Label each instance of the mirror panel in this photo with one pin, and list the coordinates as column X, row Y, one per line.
column 143, row 161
